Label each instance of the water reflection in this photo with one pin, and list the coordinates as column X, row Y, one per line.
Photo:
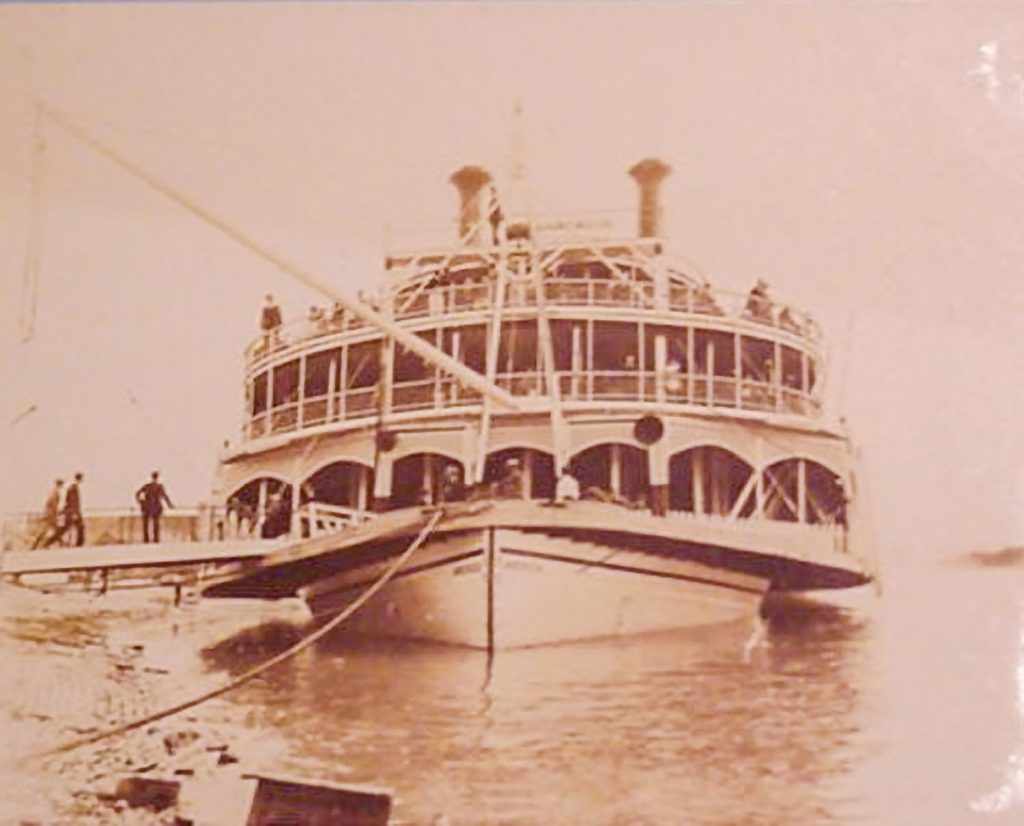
column 668, row 728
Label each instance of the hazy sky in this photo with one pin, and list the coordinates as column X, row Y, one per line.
column 866, row 159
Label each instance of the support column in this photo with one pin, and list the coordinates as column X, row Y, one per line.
column 737, row 369
column 698, row 479
column 615, row 469
column 382, row 485
column 332, row 388
column 529, row 458
column 711, row 372
column 759, row 470
column 660, row 367
column 577, row 358
column 801, row 490
column 295, row 527
column 691, row 365
column 261, row 505
column 776, row 376
column 300, row 394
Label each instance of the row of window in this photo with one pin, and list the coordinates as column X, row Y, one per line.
column 578, row 346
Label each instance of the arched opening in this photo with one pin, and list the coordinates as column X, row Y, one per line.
column 416, row 479
column 538, row 470
column 614, row 469
column 709, row 479
column 801, row 490
column 343, row 483
column 262, row 506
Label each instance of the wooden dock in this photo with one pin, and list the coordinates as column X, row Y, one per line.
column 138, row 555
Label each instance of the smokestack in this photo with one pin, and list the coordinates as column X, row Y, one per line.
column 649, row 174
column 470, row 181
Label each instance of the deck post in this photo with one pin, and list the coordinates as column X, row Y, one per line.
column 737, row 368
column 577, row 359
column 801, row 490
column 332, row 388
column 711, row 372
column 691, row 366
column 697, row 466
column 660, row 367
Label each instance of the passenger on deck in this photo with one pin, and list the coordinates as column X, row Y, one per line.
column 151, row 497
column 788, row 322
column 270, row 323
column 568, row 487
column 512, row 483
column 337, row 314
column 73, row 511
column 452, row 487
column 51, row 528
column 317, row 318
column 759, row 304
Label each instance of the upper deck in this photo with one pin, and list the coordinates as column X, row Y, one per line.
column 569, row 312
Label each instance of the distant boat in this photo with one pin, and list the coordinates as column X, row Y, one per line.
column 690, row 419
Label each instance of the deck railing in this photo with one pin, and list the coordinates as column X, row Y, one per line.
column 439, row 392
column 457, row 300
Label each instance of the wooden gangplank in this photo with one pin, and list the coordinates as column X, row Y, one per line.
column 137, row 555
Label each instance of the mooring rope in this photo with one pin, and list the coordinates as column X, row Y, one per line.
column 303, row 644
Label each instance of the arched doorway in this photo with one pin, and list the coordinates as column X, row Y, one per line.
column 612, row 468
column 345, row 483
column 262, row 506
column 538, row 470
column 710, row 479
column 416, row 478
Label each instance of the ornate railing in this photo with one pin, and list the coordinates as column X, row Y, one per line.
column 438, row 393
column 456, row 300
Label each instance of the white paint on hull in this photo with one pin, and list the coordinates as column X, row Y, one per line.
column 513, row 589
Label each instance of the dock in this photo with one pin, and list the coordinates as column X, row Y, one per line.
column 134, row 555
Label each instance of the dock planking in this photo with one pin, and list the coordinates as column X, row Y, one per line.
column 137, row 555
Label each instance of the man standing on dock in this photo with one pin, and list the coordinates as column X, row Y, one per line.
column 151, row 497
column 73, row 511
column 51, row 530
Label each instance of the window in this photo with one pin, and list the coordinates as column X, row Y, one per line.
column 286, row 383
column 363, row 365
column 259, row 394
column 318, row 370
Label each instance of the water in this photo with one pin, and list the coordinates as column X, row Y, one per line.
column 908, row 711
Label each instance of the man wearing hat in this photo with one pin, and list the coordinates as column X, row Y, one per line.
column 151, row 497
column 512, row 482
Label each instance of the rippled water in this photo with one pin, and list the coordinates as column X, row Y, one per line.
column 908, row 711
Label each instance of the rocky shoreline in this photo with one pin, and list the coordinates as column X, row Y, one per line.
column 77, row 664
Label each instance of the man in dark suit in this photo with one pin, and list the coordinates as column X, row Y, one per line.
column 73, row 510
column 151, row 497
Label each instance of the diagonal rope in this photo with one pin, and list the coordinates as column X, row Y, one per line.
column 302, row 645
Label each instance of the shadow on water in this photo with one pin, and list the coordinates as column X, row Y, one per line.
column 677, row 727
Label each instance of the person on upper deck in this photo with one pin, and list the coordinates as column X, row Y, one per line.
column 759, row 304
column 270, row 321
column 151, row 497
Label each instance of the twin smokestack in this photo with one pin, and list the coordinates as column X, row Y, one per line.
column 473, row 182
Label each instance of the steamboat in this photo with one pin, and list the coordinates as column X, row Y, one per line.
column 617, row 447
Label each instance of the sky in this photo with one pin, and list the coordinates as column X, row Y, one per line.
column 866, row 159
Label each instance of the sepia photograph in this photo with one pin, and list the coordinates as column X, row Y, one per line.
column 515, row 413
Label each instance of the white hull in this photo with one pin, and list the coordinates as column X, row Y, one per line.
column 500, row 588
